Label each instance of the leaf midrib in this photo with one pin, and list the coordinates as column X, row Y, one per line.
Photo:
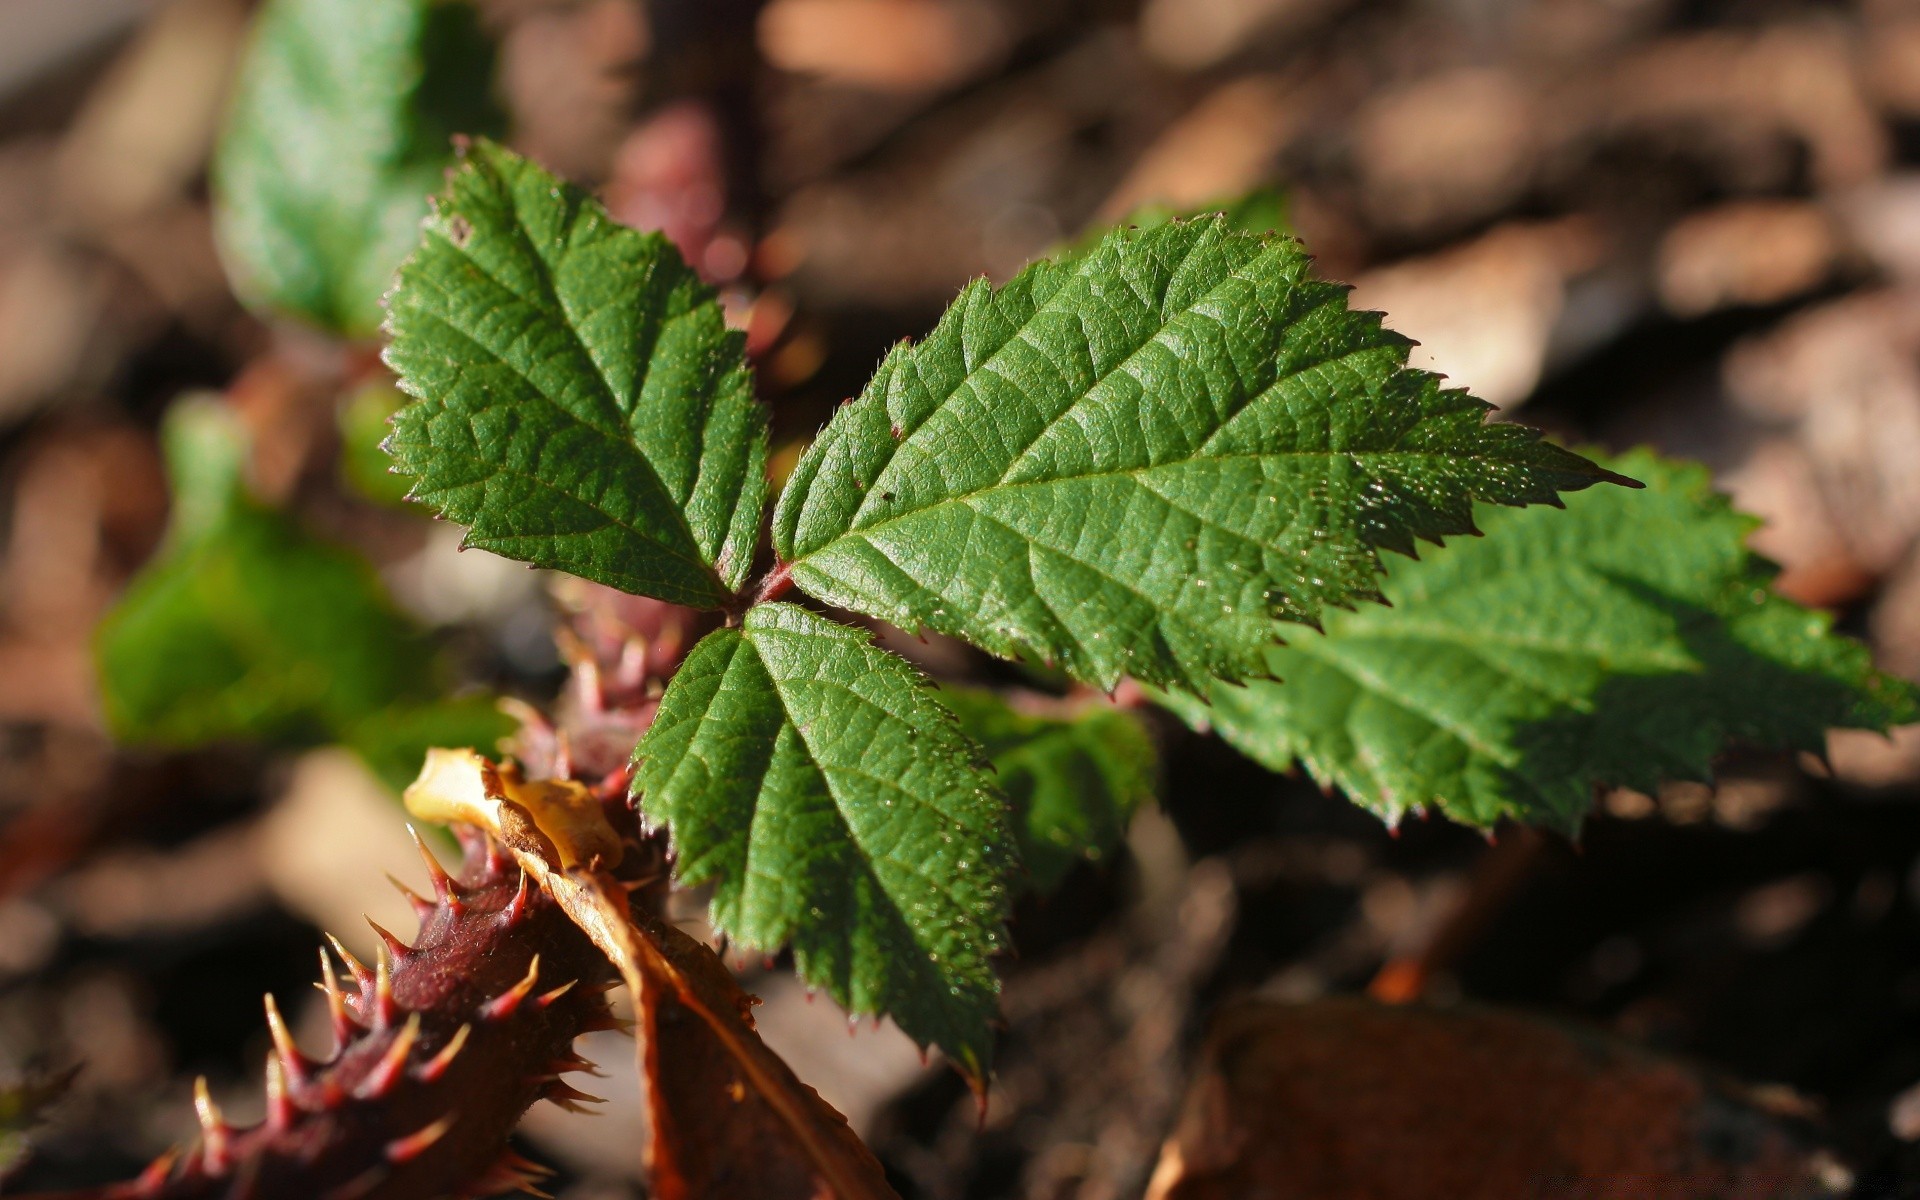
column 495, row 468
column 1057, row 302
column 841, row 805
column 967, row 499
column 543, row 272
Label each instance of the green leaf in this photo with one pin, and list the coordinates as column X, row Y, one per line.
column 581, row 403
column 1139, row 462
column 1071, row 782
column 394, row 740
column 24, row 1102
column 245, row 627
column 834, row 805
column 341, row 126
column 1623, row 642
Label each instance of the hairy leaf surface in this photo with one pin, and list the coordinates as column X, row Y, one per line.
column 1138, row 461
column 1072, row 782
column 581, row 403
column 834, row 805
column 1623, row 642
column 342, row 123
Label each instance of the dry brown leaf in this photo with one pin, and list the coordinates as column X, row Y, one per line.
column 1750, row 252
column 1350, row 1098
column 729, row 1119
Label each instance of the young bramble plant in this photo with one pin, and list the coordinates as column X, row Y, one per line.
column 1169, row 454
column 1141, row 461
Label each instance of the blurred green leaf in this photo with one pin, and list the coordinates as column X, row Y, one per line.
column 341, row 126
column 393, row 740
column 245, row 627
column 364, row 424
column 1072, row 782
column 23, row 1104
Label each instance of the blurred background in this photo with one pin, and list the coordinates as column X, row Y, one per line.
column 1688, row 223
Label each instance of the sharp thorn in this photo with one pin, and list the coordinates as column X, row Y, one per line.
column 571, row 1063
column 157, row 1173
column 359, row 969
column 472, row 841
column 508, row 1002
column 280, row 1111
column 422, row 907
column 392, row 1064
column 516, row 910
column 213, row 1129
column 384, row 1009
column 443, row 885
column 571, row 1098
column 288, row 1052
column 511, row 1172
column 547, row 998
column 435, row 1067
column 359, row 1185
column 343, row 1027
column 406, row 1149
column 394, row 945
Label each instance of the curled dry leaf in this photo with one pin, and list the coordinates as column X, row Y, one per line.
column 729, row 1118
column 1349, row 1098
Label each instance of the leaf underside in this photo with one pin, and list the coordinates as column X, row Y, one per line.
column 1072, row 783
column 836, row 807
column 1623, row 642
column 580, row 403
column 1139, row 461
column 341, row 127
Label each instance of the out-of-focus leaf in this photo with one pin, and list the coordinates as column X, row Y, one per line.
column 364, row 425
column 728, row 1118
column 246, row 627
column 1349, row 1098
column 393, row 739
column 23, row 1105
column 342, row 122
column 1072, row 782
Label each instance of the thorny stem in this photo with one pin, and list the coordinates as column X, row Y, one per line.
column 438, row 1049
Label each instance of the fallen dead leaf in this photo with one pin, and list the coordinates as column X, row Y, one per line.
column 1484, row 312
column 728, row 1118
column 1349, row 1098
column 1225, row 146
column 1750, row 252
